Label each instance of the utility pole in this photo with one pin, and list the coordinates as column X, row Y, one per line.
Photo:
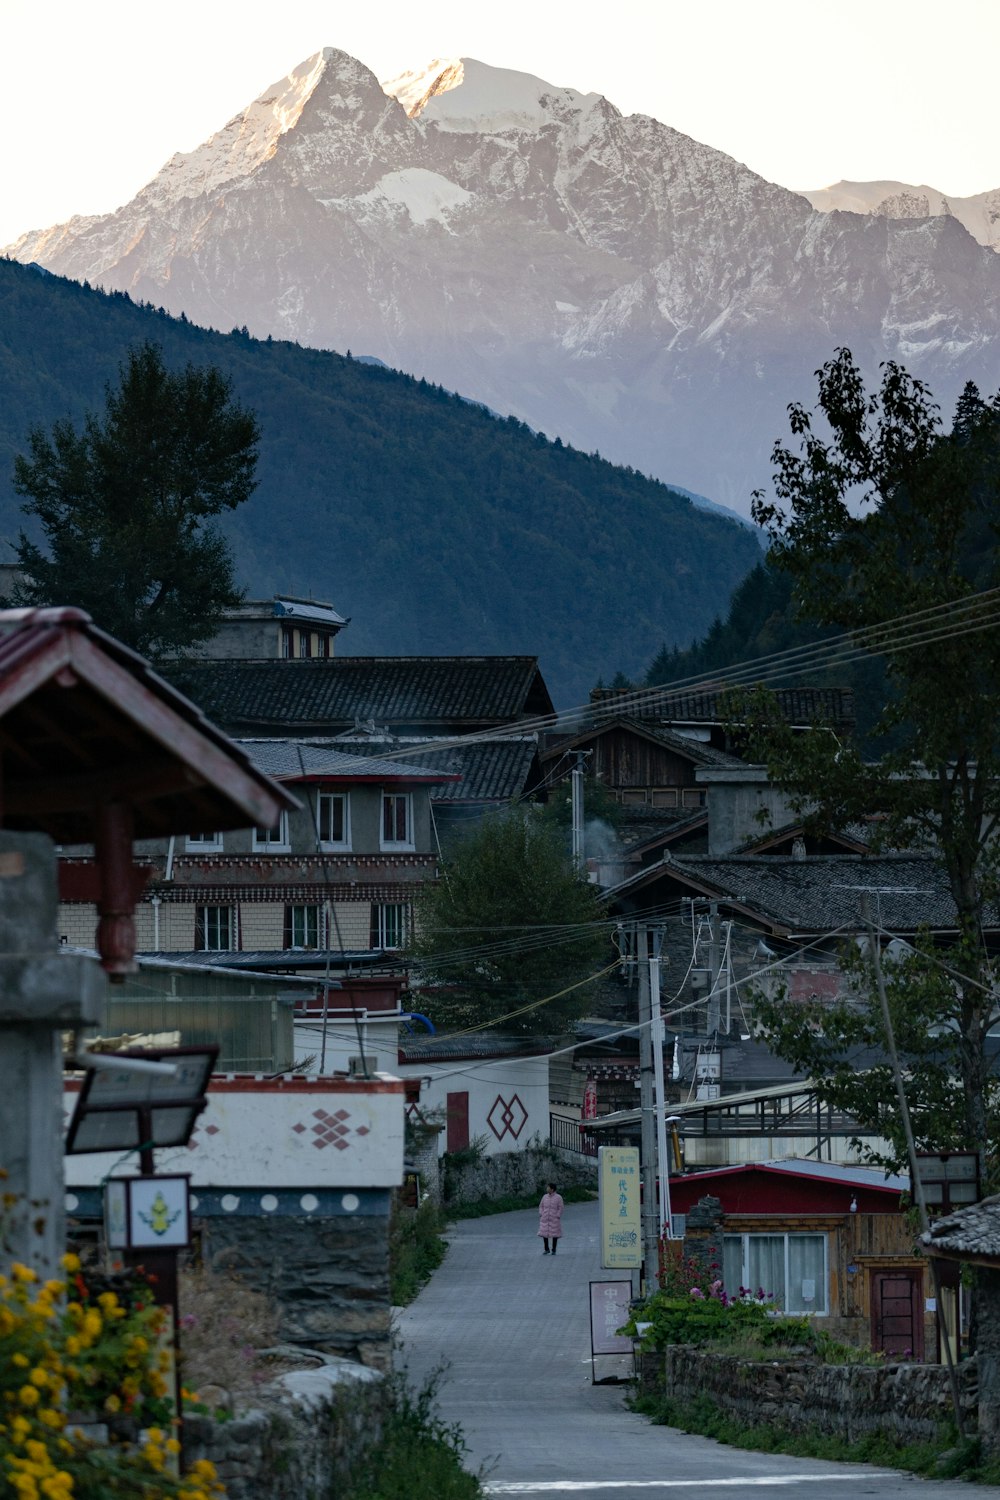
column 714, row 969
column 916, row 1185
column 656, row 1029
column 576, row 785
column 650, row 1216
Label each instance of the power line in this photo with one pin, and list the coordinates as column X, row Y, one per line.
column 933, row 625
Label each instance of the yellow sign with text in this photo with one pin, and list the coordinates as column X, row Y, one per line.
column 618, row 1180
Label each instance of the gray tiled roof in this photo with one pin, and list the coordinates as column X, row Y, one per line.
column 478, row 1044
column 800, row 705
column 699, row 753
column 490, row 770
column 971, row 1232
column 696, row 751
column 434, row 690
column 822, row 893
column 854, row 834
column 297, row 760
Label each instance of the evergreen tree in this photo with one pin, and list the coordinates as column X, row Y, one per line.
column 509, row 924
column 125, row 505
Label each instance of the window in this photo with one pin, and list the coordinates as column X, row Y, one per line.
column 665, row 796
column 203, row 843
column 792, row 1267
column 333, row 820
column 693, row 797
column 275, row 838
column 397, row 829
column 390, row 925
column 302, row 926
column 213, row 928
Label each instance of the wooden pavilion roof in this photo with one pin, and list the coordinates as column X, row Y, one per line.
column 84, row 722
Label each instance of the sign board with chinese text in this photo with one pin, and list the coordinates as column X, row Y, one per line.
column 609, row 1310
column 618, row 1180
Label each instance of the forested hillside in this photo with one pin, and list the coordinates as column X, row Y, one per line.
column 437, row 527
column 761, row 621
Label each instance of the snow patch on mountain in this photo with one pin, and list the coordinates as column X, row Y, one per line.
column 425, row 195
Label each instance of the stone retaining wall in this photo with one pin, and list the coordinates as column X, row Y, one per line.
column 310, row 1428
column 512, row 1174
column 329, row 1278
column 847, row 1401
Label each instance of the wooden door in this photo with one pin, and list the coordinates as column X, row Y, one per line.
column 898, row 1313
column 458, row 1121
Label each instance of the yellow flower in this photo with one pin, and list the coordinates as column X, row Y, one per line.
column 21, row 1360
column 70, row 1263
column 108, row 1301
column 21, row 1273
column 39, row 1377
column 113, row 1404
column 51, row 1417
column 28, row 1395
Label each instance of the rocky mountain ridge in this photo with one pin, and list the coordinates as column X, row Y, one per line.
column 604, row 278
column 979, row 213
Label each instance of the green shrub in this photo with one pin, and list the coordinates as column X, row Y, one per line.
column 419, row 1456
column 946, row 1458
column 416, row 1249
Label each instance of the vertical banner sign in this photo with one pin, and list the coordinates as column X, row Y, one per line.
column 618, row 1187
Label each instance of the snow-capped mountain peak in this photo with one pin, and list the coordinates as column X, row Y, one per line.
column 470, row 97
column 249, row 138
column 600, row 276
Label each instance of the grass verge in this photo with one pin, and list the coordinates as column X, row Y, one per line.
column 419, row 1456
column 947, row 1458
column 416, row 1249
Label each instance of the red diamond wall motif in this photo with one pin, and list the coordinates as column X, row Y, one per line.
column 507, row 1117
column 331, row 1130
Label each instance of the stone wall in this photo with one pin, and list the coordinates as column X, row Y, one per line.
column 908, row 1401
column 328, row 1277
column 511, row 1174
column 310, row 1428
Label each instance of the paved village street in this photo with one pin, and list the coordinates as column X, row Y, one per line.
column 512, row 1325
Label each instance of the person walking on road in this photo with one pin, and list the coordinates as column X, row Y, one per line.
column 550, row 1218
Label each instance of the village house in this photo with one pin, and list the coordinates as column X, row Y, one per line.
column 332, row 883
column 831, row 1241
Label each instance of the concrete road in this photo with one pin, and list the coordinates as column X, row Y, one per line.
column 512, row 1328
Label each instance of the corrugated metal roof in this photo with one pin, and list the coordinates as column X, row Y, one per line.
column 298, row 760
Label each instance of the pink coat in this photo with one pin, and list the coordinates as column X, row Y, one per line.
column 550, row 1216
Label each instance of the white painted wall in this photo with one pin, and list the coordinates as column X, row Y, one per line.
column 286, row 1132
column 508, row 1099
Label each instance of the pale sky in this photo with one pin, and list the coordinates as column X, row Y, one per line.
column 805, row 92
